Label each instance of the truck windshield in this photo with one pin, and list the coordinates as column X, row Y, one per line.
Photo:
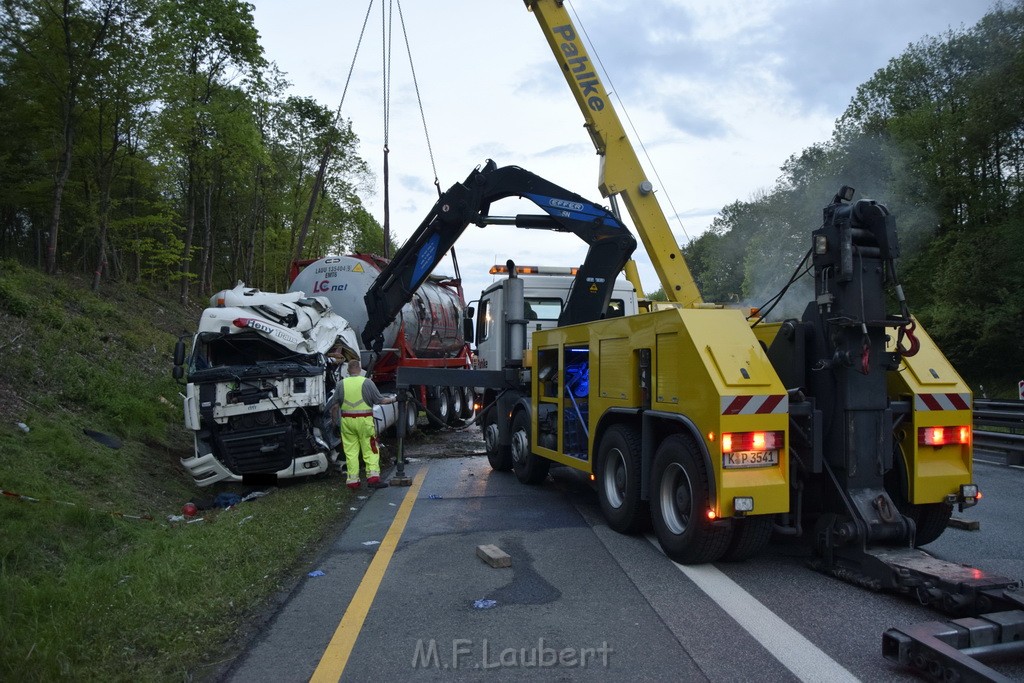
column 543, row 308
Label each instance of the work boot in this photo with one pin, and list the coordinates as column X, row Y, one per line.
column 354, row 485
column 374, row 482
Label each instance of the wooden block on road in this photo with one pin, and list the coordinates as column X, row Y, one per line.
column 494, row 556
column 965, row 524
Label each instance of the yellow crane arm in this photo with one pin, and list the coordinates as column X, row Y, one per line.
column 621, row 173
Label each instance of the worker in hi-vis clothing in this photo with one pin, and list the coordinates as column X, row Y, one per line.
column 358, row 431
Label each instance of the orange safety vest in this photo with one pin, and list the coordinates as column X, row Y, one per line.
column 353, row 387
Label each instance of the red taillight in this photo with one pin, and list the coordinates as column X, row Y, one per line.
column 942, row 436
column 752, row 441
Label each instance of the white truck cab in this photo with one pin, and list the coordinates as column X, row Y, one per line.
column 545, row 289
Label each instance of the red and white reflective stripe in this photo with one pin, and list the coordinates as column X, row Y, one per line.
column 942, row 402
column 754, row 405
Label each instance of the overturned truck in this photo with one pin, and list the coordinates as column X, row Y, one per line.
column 260, row 389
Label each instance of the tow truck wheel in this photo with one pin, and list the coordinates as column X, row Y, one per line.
column 618, row 480
column 529, row 468
column 931, row 520
column 438, row 409
column 749, row 537
column 679, row 504
column 499, row 457
column 455, row 411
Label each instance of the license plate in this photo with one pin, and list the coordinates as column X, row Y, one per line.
column 750, row 459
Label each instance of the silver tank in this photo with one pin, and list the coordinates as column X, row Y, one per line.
column 431, row 320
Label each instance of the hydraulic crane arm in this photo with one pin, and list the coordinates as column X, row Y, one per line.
column 611, row 243
column 621, row 172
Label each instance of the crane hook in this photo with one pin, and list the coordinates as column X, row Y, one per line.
column 915, row 343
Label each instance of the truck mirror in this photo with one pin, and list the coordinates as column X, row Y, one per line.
column 177, row 372
column 467, row 329
column 470, row 311
column 179, row 352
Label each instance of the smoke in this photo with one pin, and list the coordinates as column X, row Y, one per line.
column 784, row 219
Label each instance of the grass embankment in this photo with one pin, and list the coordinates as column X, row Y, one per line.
column 89, row 594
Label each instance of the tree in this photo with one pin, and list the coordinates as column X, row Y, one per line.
column 58, row 41
column 202, row 45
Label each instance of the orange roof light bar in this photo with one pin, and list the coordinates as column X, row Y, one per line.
column 534, row 270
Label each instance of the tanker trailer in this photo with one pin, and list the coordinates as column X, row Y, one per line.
column 428, row 332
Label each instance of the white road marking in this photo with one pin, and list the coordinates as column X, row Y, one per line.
column 782, row 641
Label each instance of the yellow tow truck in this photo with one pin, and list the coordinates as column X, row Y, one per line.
column 846, row 427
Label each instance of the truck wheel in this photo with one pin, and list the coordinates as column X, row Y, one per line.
column 411, row 414
column 679, row 504
column 438, row 409
column 500, row 457
column 618, row 480
column 750, row 535
column 455, row 411
column 468, row 404
column 529, row 468
column 931, row 520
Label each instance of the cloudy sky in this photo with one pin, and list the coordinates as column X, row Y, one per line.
column 720, row 92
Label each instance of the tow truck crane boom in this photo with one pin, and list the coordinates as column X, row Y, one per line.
column 620, row 166
column 611, row 244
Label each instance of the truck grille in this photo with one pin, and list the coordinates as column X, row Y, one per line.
column 257, row 451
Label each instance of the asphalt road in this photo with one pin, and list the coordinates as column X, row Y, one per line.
column 581, row 601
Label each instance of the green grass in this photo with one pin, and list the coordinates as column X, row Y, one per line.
column 89, row 594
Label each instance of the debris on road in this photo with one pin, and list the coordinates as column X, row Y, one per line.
column 963, row 523
column 484, row 604
column 316, row 572
column 494, row 556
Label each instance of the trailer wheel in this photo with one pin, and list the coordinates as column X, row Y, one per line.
column 750, row 535
column 500, row 457
column 680, row 503
column 468, row 404
column 529, row 468
column 618, row 480
column 438, row 409
column 411, row 414
column 455, row 411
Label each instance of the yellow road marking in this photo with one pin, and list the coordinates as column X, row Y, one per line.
column 335, row 657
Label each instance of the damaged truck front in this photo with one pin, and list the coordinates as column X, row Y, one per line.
column 260, row 387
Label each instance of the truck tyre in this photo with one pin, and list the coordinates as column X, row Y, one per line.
column 411, row 414
column 618, row 480
column 438, row 409
column 455, row 410
column 679, row 504
column 750, row 535
column 529, row 468
column 931, row 520
column 500, row 457
column 468, row 404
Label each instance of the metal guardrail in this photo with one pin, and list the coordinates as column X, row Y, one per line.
column 1008, row 416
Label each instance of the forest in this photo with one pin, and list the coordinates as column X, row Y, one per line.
column 153, row 142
